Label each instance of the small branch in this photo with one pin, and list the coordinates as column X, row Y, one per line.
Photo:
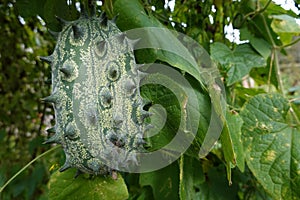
column 26, row 166
column 258, row 11
column 290, row 44
column 268, row 32
column 278, row 73
column 270, row 70
column 275, row 57
column 295, row 116
column 294, row 99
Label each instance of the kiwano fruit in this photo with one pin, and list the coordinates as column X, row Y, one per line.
column 99, row 113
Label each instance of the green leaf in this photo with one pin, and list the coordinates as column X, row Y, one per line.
column 286, row 27
column 259, row 44
column 30, row 8
column 191, row 176
column 164, row 182
column 47, row 10
column 216, row 186
column 172, row 108
column 175, row 116
column 178, row 51
column 274, row 7
column 285, row 24
column 234, row 123
column 164, row 43
column 271, row 145
column 232, row 144
column 246, row 93
column 61, row 9
column 65, row 186
column 238, row 62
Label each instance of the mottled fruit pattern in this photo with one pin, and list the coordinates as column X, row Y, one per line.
column 95, row 93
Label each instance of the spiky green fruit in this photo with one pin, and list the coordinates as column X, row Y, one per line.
column 95, row 93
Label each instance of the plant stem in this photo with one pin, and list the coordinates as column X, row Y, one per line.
column 26, row 166
column 278, row 73
column 270, row 71
column 258, row 10
column 295, row 116
column 290, row 44
column 275, row 57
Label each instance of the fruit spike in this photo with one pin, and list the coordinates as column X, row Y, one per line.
column 140, row 66
column 67, row 70
column 70, row 130
column 83, row 12
column 146, row 103
column 61, row 21
column 53, row 139
column 133, row 43
column 121, row 37
column 51, row 130
column 50, row 99
column 103, row 19
column 101, row 47
column 148, row 127
column 117, row 120
column 114, row 19
column 129, row 86
column 78, row 172
column 53, row 34
column 66, row 166
column 77, row 33
column 47, row 59
column 145, row 114
column 142, row 75
column 141, row 141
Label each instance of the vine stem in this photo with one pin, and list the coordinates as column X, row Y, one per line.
column 258, row 10
column 290, row 44
column 270, row 71
column 278, row 73
column 275, row 62
column 26, row 166
column 274, row 56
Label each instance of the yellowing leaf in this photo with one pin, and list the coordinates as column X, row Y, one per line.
column 271, row 146
column 286, row 27
column 285, row 24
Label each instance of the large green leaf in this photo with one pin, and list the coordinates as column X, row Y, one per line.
column 272, row 146
column 178, row 51
column 231, row 143
column 164, row 43
column 191, row 176
column 216, row 186
column 164, row 182
column 176, row 112
column 171, row 106
column 238, row 62
column 30, row 8
column 47, row 10
column 259, row 44
column 64, row 186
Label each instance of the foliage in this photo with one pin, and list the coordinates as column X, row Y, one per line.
column 63, row 185
column 23, row 117
column 257, row 155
